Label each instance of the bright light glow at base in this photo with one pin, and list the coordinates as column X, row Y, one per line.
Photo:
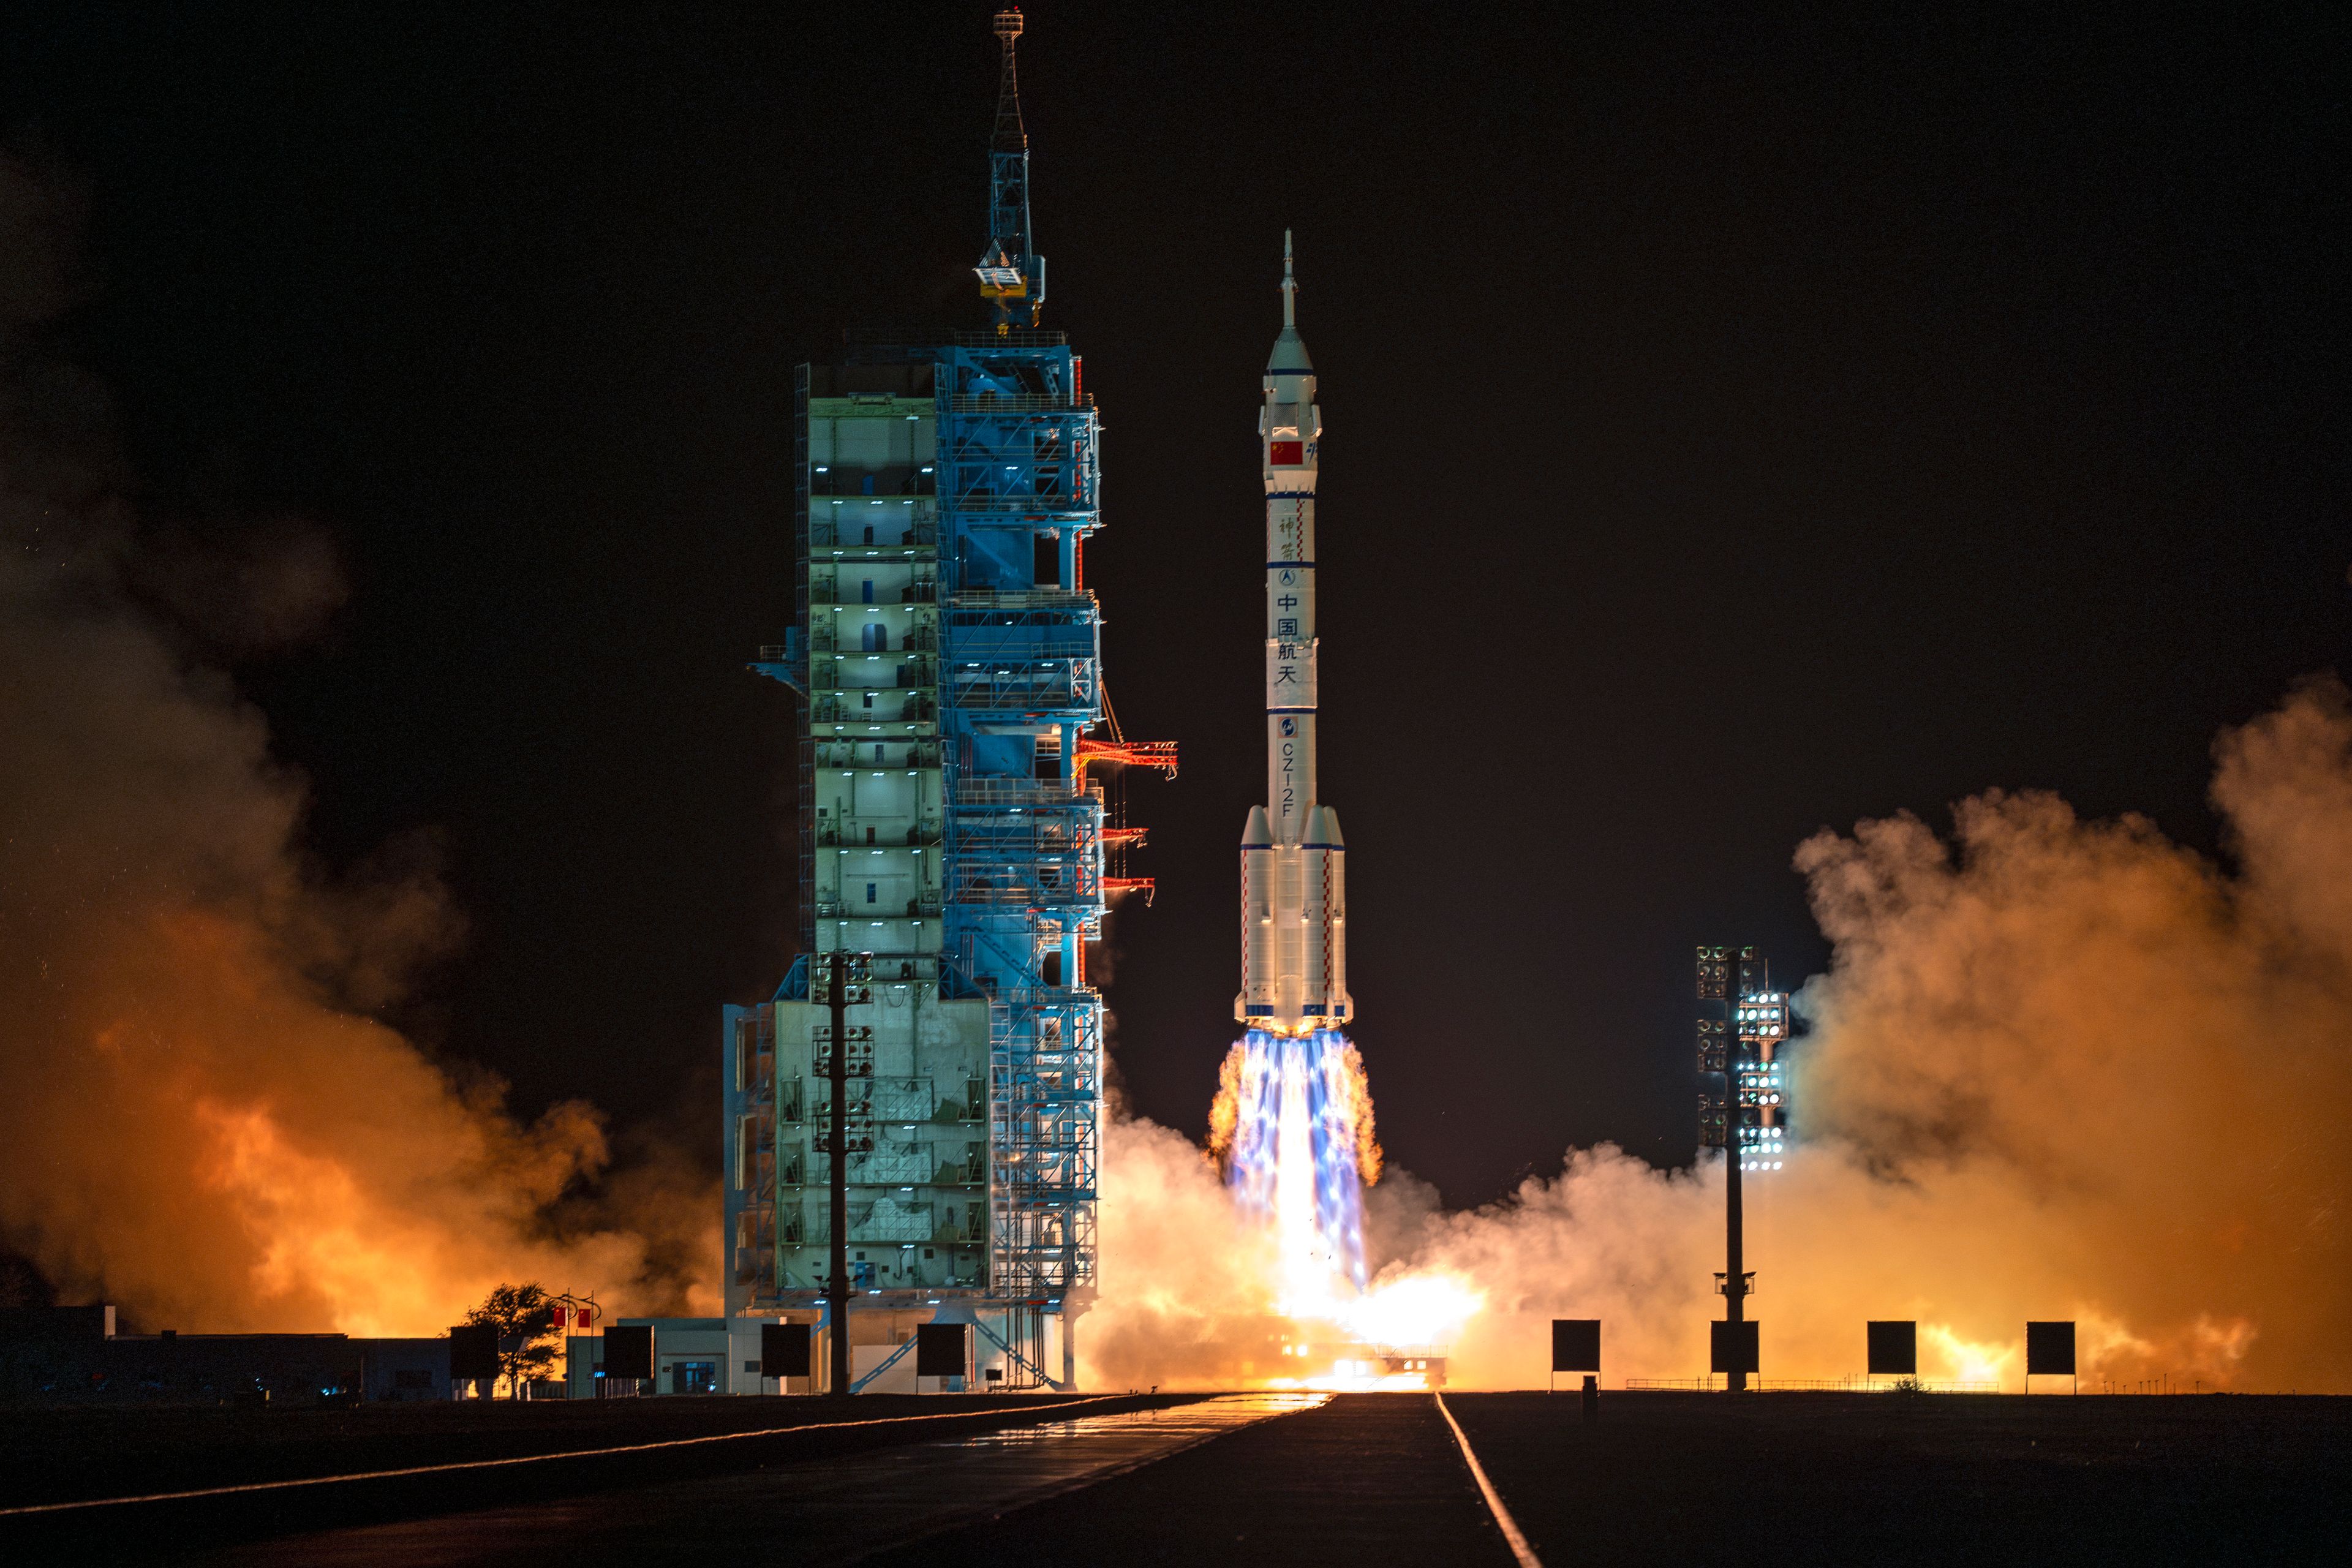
column 1969, row 1361
column 1301, row 1140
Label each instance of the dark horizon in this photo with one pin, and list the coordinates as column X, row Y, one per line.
column 1736, row 428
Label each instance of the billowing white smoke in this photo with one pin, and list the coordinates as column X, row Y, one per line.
column 2058, row 1069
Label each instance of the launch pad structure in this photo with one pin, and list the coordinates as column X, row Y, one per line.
column 953, row 843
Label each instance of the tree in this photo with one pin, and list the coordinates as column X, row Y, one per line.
column 524, row 1317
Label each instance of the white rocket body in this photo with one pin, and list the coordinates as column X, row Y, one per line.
column 1294, row 888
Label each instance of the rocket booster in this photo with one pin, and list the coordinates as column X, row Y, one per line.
column 1293, row 902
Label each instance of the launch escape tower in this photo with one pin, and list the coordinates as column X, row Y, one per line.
column 948, row 661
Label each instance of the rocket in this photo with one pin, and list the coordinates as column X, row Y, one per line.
column 1294, row 900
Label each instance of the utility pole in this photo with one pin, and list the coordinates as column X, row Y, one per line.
column 837, row 1075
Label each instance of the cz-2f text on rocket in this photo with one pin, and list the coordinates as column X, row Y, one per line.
column 1294, row 899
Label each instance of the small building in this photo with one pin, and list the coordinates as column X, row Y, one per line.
column 406, row 1370
column 721, row 1355
column 691, row 1355
column 73, row 1356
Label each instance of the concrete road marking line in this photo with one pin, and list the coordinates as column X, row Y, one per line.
column 516, row 1459
column 1519, row 1547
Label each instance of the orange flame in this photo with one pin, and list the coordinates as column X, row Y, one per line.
column 1225, row 1110
column 1359, row 1090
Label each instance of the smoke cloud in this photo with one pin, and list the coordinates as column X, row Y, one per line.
column 2058, row 1068
column 205, row 1125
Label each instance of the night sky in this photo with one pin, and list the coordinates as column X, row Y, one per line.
column 1735, row 427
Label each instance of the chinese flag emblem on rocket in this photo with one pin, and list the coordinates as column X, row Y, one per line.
column 1289, row 454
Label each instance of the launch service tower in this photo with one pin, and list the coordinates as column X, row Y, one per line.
column 952, row 845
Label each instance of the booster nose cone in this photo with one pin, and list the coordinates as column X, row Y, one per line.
column 1323, row 829
column 1258, row 832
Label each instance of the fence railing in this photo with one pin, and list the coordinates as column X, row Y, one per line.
column 1857, row 1384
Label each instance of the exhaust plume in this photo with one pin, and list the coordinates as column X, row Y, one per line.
column 205, row 1125
column 2057, row 1068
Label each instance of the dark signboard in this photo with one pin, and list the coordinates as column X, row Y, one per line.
column 2050, row 1348
column 473, row 1353
column 1893, row 1348
column 1576, row 1345
column 1722, row 1350
column 783, row 1350
column 939, row 1349
column 629, row 1352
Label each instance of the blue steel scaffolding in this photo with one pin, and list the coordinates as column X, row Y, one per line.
column 949, row 663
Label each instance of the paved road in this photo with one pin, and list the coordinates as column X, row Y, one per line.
column 1374, row 1479
column 1774, row 1479
column 824, row 1512
column 1368, row 1480
column 1922, row 1478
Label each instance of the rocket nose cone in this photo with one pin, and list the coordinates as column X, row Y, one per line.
column 1289, row 355
column 1258, row 832
column 1323, row 828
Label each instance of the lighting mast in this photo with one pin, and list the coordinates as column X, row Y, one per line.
column 1749, row 1121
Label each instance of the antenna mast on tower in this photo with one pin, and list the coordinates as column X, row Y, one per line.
column 1008, row 272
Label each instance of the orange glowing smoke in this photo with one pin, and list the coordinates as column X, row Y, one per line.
column 2059, row 1068
column 204, row 1124
column 1310, row 1326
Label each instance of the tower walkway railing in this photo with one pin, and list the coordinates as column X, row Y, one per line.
column 1020, row 792
column 1023, row 599
column 990, row 403
column 1016, row 338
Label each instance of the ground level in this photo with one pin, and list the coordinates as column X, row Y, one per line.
column 1380, row 1478
column 53, row 1456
